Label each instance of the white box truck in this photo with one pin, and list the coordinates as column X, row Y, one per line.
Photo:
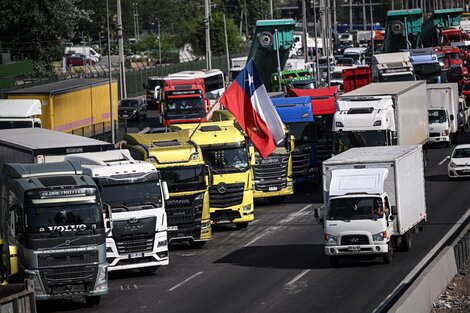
column 381, row 114
column 443, row 110
column 374, row 198
column 20, row 113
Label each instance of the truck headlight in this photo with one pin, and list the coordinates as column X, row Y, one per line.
column 198, row 201
column 330, row 239
column 445, row 133
column 378, row 237
column 339, row 124
column 378, row 123
column 162, row 243
column 102, row 284
column 205, row 225
column 246, row 208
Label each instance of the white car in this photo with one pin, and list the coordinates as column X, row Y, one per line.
column 459, row 162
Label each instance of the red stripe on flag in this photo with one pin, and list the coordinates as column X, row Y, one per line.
column 239, row 104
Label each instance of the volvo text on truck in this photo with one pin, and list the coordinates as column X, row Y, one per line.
column 181, row 164
column 374, row 198
column 55, row 217
column 135, row 195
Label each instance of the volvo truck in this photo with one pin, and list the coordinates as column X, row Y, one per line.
column 382, row 114
column 136, row 195
column 53, row 213
column 374, row 199
column 181, row 164
column 229, row 157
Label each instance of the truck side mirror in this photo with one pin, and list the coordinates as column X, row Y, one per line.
column 108, row 218
column 452, row 117
column 166, row 194
column 207, row 172
column 448, row 158
column 394, row 210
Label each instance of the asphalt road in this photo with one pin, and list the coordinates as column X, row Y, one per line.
column 277, row 264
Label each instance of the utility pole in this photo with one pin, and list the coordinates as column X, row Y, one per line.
column 137, row 20
column 208, row 35
column 271, row 9
column 393, row 5
column 246, row 21
column 122, row 68
column 226, row 45
column 371, row 27
column 304, row 30
column 364, row 15
column 159, row 42
column 334, row 17
column 323, row 25
column 350, row 15
column 317, row 63
column 110, row 76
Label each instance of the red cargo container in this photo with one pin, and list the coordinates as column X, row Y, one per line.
column 354, row 78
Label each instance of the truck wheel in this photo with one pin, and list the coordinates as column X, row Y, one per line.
column 242, row 225
column 148, row 270
column 334, row 261
column 388, row 257
column 300, row 51
column 276, row 200
column 93, row 300
column 406, row 241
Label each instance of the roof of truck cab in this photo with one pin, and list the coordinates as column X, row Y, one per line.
column 60, row 87
column 381, row 89
column 20, row 107
column 43, row 139
column 223, row 132
column 371, row 155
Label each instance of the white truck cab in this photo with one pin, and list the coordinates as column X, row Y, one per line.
column 136, row 195
column 357, row 53
column 20, row 113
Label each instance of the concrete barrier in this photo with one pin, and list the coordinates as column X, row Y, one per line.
column 432, row 282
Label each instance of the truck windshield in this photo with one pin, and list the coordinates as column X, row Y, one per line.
column 355, row 208
column 353, row 139
column 15, row 124
column 303, row 132
column 226, row 160
column 184, row 178
column 132, row 195
column 70, row 217
column 184, row 108
column 437, row 116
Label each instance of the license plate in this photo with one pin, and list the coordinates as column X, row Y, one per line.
column 135, row 255
column 171, row 228
column 354, row 248
column 272, row 188
column 223, row 221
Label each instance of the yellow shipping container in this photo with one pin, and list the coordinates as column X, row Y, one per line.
column 77, row 106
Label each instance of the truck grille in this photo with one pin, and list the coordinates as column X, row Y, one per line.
column 135, row 245
column 348, row 240
column 65, row 280
column 226, row 195
column 271, row 173
column 324, row 148
column 62, row 259
column 224, row 215
column 300, row 163
column 434, row 134
column 184, row 213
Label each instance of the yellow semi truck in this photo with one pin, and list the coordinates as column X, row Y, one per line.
column 230, row 160
column 181, row 164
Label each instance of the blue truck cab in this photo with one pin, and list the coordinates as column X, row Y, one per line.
column 296, row 114
column 426, row 64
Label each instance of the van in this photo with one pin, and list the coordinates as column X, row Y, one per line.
column 87, row 51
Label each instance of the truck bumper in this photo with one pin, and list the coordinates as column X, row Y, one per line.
column 439, row 139
column 286, row 191
column 379, row 248
column 126, row 261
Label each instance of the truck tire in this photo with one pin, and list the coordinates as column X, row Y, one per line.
column 148, row 270
column 242, row 225
column 397, row 27
column 388, row 257
column 334, row 261
column 265, row 39
column 93, row 300
column 406, row 241
column 300, row 52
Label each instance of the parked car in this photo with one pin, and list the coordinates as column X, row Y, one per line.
column 459, row 162
column 132, row 108
column 78, row 60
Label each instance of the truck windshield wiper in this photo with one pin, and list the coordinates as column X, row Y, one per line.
column 122, row 206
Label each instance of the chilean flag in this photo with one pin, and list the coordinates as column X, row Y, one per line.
column 247, row 99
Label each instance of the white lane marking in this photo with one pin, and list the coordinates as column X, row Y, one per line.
column 421, row 264
column 185, row 281
column 296, row 278
column 442, row 162
column 289, row 218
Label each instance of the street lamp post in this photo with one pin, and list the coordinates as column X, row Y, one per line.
column 159, row 42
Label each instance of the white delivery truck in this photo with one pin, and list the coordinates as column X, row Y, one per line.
column 373, row 199
column 87, row 51
column 136, row 197
column 392, row 67
column 443, row 110
column 381, row 114
column 20, row 113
